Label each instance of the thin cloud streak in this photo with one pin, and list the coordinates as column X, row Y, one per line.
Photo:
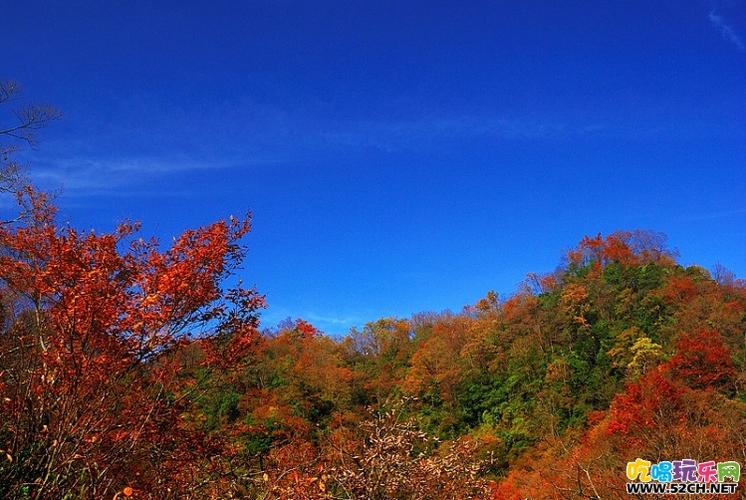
column 94, row 173
column 415, row 134
column 726, row 30
column 332, row 320
column 327, row 323
column 92, row 176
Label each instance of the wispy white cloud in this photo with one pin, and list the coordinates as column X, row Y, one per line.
column 83, row 167
column 334, row 321
column 726, row 30
column 85, row 176
column 428, row 131
column 328, row 323
column 96, row 172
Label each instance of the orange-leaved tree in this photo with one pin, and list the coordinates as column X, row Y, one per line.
column 88, row 398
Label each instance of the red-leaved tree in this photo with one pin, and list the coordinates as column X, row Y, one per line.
column 89, row 401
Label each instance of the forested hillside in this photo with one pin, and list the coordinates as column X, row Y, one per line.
column 128, row 370
column 134, row 369
column 223, row 275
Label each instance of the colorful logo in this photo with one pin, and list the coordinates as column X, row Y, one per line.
column 686, row 476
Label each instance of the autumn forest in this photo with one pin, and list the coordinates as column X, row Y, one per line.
column 134, row 368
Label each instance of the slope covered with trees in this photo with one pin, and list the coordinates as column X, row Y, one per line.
column 132, row 370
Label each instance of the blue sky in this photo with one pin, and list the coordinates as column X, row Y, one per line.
column 397, row 156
